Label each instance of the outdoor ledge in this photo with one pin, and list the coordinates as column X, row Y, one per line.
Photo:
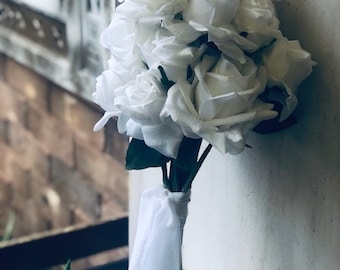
column 56, row 247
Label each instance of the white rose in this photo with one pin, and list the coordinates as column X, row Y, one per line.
column 222, row 106
column 214, row 18
column 132, row 9
column 257, row 20
column 211, row 12
column 228, row 41
column 227, row 82
column 105, row 96
column 165, row 7
column 119, row 38
column 287, row 65
column 160, row 48
column 138, row 105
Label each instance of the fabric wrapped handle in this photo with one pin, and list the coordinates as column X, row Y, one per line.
column 158, row 241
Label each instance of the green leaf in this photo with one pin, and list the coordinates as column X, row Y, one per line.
column 277, row 96
column 140, row 156
column 9, row 226
column 182, row 167
column 164, row 80
column 67, row 265
column 274, row 125
column 188, row 153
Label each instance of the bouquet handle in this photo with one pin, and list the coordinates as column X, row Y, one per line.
column 158, row 242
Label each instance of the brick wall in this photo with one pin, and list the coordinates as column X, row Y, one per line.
column 54, row 170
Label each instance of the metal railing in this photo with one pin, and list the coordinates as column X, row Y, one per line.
column 56, row 248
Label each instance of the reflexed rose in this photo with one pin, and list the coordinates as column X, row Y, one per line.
column 258, row 21
column 211, row 12
column 213, row 18
column 165, row 7
column 105, row 96
column 159, row 48
column 287, row 65
column 138, row 106
column 230, row 42
column 227, row 89
column 119, row 38
column 222, row 106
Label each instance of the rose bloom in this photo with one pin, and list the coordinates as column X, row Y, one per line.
column 119, row 38
column 221, row 107
column 287, row 65
column 214, row 18
column 211, row 12
column 257, row 19
column 159, row 47
column 138, row 105
column 165, row 7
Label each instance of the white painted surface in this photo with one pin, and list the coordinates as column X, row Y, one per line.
column 276, row 206
column 50, row 6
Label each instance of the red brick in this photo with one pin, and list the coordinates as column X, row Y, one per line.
column 5, row 212
column 52, row 134
column 109, row 175
column 74, row 188
column 20, row 185
column 28, row 151
column 115, row 143
column 12, row 105
column 48, row 150
column 78, row 115
column 30, row 218
column 7, row 157
column 5, row 193
column 99, row 166
column 4, row 136
column 27, row 82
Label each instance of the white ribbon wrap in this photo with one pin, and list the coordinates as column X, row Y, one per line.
column 162, row 215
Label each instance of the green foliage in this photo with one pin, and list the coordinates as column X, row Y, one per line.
column 140, row 156
column 164, row 80
column 183, row 169
column 9, row 226
column 188, row 153
column 275, row 95
column 67, row 265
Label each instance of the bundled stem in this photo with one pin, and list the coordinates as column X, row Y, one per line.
column 180, row 178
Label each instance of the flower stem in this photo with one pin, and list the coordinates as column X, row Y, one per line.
column 195, row 170
column 165, row 176
column 178, row 177
column 185, row 167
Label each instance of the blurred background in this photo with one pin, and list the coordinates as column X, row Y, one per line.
column 55, row 172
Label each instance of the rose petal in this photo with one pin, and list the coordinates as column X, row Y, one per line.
column 165, row 137
column 226, row 105
column 214, row 12
column 181, row 29
column 102, row 122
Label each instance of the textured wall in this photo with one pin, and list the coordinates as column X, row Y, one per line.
column 276, row 206
column 54, row 170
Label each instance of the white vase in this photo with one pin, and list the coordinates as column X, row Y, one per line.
column 158, row 242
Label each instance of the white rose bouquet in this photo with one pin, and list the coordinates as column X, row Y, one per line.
column 185, row 70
